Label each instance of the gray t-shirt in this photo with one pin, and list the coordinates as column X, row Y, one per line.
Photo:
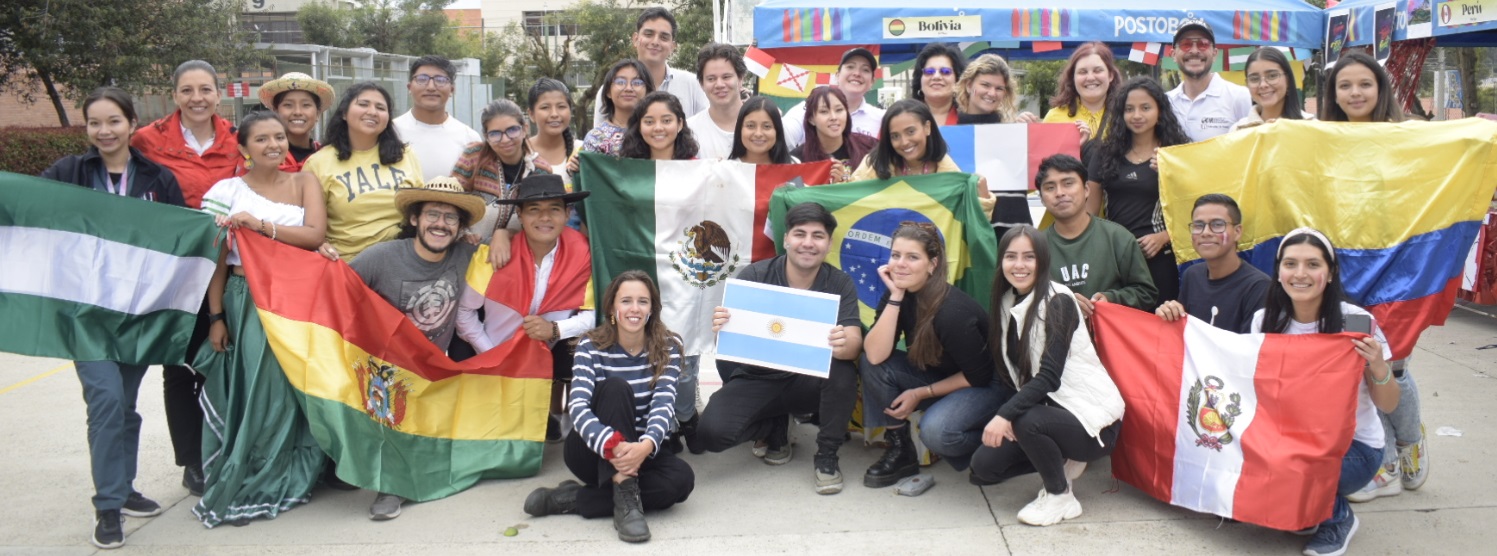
column 426, row 292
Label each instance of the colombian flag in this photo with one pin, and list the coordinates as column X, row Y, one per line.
column 391, row 409
column 868, row 212
column 1402, row 202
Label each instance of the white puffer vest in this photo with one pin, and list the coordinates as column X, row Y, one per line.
column 1085, row 388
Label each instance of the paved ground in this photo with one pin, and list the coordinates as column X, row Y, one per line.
column 741, row 505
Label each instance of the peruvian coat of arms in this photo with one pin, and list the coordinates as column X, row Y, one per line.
column 384, row 394
column 705, row 257
column 1212, row 412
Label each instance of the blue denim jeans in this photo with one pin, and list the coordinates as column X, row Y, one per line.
column 952, row 425
column 1358, row 467
column 109, row 392
column 686, row 388
column 1401, row 427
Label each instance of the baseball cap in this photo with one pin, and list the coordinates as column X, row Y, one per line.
column 1194, row 23
column 859, row 52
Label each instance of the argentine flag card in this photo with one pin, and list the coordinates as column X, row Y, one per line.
column 778, row 327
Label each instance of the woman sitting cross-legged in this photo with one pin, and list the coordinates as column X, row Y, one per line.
column 1066, row 411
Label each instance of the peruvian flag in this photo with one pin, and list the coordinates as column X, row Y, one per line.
column 1145, row 53
column 1247, row 426
column 758, row 61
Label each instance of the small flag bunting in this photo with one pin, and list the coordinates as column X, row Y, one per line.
column 1146, row 53
column 758, row 61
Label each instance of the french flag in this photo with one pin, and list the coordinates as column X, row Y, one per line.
column 1250, row 427
column 1009, row 155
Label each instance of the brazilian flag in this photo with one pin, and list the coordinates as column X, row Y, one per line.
column 869, row 211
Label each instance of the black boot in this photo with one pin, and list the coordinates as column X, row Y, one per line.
column 629, row 512
column 689, row 434
column 899, row 460
column 193, row 480
column 552, row 501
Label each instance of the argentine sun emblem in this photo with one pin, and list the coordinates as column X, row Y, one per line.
column 384, row 394
column 776, row 328
column 1212, row 412
column 705, row 257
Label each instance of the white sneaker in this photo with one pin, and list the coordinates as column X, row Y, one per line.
column 1074, row 469
column 1413, row 461
column 1387, row 482
column 1050, row 509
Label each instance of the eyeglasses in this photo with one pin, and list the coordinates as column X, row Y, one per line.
column 433, row 216
column 1218, row 226
column 932, row 71
column 1188, row 45
column 635, row 83
column 423, row 80
column 1255, row 79
column 514, row 133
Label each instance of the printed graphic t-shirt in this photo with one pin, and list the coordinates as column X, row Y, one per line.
column 426, row 292
column 360, row 194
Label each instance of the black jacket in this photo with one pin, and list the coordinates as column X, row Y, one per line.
column 148, row 180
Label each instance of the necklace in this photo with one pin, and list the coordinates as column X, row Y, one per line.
column 924, row 169
column 504, row 172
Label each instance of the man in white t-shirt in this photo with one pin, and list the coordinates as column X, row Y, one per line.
column 855, row 79
column 436, row 137
column 1206, row 104
column 654, row 41
column 720, row 70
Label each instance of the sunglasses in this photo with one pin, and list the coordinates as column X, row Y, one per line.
column 932, row 71
column 1188, row 45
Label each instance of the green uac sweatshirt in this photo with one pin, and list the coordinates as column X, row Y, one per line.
column 1104, row 258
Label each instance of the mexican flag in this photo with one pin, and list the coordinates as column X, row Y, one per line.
column 691, row 224
column 387, row 405
column 868, row 212
column 1251, row 427
column 90, row 276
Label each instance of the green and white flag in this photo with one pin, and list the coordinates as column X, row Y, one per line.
column 89, row 276
column 690, row 224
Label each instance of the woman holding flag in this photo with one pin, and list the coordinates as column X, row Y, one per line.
column 110, row 388
column 625, row 83
column 1085, row 83
column 622, row 404
column 260, row 457
column 910, row 144
column 947, row 370
column 831, row 135
column 1066, row 411
column 657, row 130
column 1308, row 301
column 1363, row 93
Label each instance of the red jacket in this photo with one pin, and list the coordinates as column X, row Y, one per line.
column 163, row 143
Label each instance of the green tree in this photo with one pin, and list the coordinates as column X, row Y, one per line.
column 1040, row 80
column 693, row 29
column 66, row 48
column 521, row 58
column 411, row 27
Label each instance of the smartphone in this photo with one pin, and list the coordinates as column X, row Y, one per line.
column 1359, row 323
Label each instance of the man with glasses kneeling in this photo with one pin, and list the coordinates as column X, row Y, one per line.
column 1222, row 290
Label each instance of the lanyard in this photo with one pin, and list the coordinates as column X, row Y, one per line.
column 123, row 189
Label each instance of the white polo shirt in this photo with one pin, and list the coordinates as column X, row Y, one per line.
column 1213, row 112
column 865, row 120
column 681, row 83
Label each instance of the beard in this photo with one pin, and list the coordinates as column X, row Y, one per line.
column 1196, row 74
column 453, row 239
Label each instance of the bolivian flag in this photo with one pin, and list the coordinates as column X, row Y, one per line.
column 90, row 276
column 868, row 212
column 391, row 409
column 1402, row 202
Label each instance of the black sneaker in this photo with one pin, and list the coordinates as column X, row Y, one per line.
column 137, row 505
column 109, row 529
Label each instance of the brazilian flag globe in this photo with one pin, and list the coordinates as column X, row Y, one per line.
column 868, row 212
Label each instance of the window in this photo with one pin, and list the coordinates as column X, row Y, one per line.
column 280, row 28
column 548, row 23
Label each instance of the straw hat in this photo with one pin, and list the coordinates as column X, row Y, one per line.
column 443, row 189
column 296, row 81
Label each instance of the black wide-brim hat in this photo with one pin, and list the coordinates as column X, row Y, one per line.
column 543, row 187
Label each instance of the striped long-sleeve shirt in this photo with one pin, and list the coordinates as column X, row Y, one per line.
column 654, row 408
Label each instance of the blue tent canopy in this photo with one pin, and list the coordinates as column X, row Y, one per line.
column 792, row 23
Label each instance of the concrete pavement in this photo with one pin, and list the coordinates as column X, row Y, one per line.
column 740, row 505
